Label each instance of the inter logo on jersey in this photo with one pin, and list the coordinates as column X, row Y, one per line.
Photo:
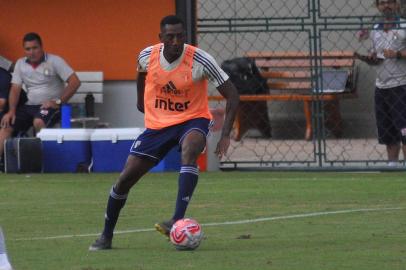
column 168, row 104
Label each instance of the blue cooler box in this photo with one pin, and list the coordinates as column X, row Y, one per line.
column 65, row 150
column 111, row 147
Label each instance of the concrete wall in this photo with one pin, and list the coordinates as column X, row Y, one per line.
column 119, row 107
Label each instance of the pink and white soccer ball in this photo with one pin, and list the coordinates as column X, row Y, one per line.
column 186, row 234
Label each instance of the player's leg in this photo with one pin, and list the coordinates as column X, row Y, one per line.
column 148, row 149
column 193, row 142
column 192, row 145
column 134, row 169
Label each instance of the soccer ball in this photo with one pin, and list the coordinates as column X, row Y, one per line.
column 186, row 234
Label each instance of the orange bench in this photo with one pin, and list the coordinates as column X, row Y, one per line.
column 289, row 79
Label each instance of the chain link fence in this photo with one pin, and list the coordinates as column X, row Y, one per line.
column 295, row 45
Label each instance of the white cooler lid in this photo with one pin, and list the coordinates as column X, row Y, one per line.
column 115, row 134
column 65, row 134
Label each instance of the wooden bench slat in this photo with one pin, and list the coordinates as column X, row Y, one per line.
column 287, row 97
column 301, row 63
column 285, row 86
column 86, row 87
column 91, row 82
column 286, row 74
column 297, row 54
column 90, row 76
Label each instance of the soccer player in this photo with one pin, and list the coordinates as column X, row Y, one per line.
column 172, row 92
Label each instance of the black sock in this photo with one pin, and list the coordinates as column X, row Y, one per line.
column 114, row 205
column 187, row 182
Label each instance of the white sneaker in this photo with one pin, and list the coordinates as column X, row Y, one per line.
column 6, row 267
column 4, row 262
column 393, row 164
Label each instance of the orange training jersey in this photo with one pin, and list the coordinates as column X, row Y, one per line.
column 172, row 97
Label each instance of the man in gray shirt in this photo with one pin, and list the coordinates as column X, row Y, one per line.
column 389, row 57
column 44, row 76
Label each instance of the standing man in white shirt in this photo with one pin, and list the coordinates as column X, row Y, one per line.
column 388, row 55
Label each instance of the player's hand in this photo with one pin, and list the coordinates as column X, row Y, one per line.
column 8, row 120
column 222, row 146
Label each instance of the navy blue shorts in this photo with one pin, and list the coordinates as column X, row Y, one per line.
column 154, row 144
column 25, row 115
column 390, row 113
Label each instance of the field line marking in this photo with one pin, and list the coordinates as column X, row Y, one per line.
column 245, row 221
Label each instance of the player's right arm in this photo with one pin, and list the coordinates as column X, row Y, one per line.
column 141, row 90
column 14, row 95
column 142, row 68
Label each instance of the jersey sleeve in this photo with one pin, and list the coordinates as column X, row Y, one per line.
column 143, row 59
column 211, row 70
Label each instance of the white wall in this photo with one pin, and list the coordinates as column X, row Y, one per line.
column 119, row 107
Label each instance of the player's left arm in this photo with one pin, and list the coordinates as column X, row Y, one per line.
column 229, row 92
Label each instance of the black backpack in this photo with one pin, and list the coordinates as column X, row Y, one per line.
column 244, row 74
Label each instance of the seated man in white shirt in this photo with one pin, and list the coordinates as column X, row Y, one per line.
column 44, row 76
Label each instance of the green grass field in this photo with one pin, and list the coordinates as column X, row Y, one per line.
column 313, row 221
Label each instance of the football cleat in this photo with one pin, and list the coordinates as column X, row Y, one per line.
column 164, row 227
column 101, row 243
